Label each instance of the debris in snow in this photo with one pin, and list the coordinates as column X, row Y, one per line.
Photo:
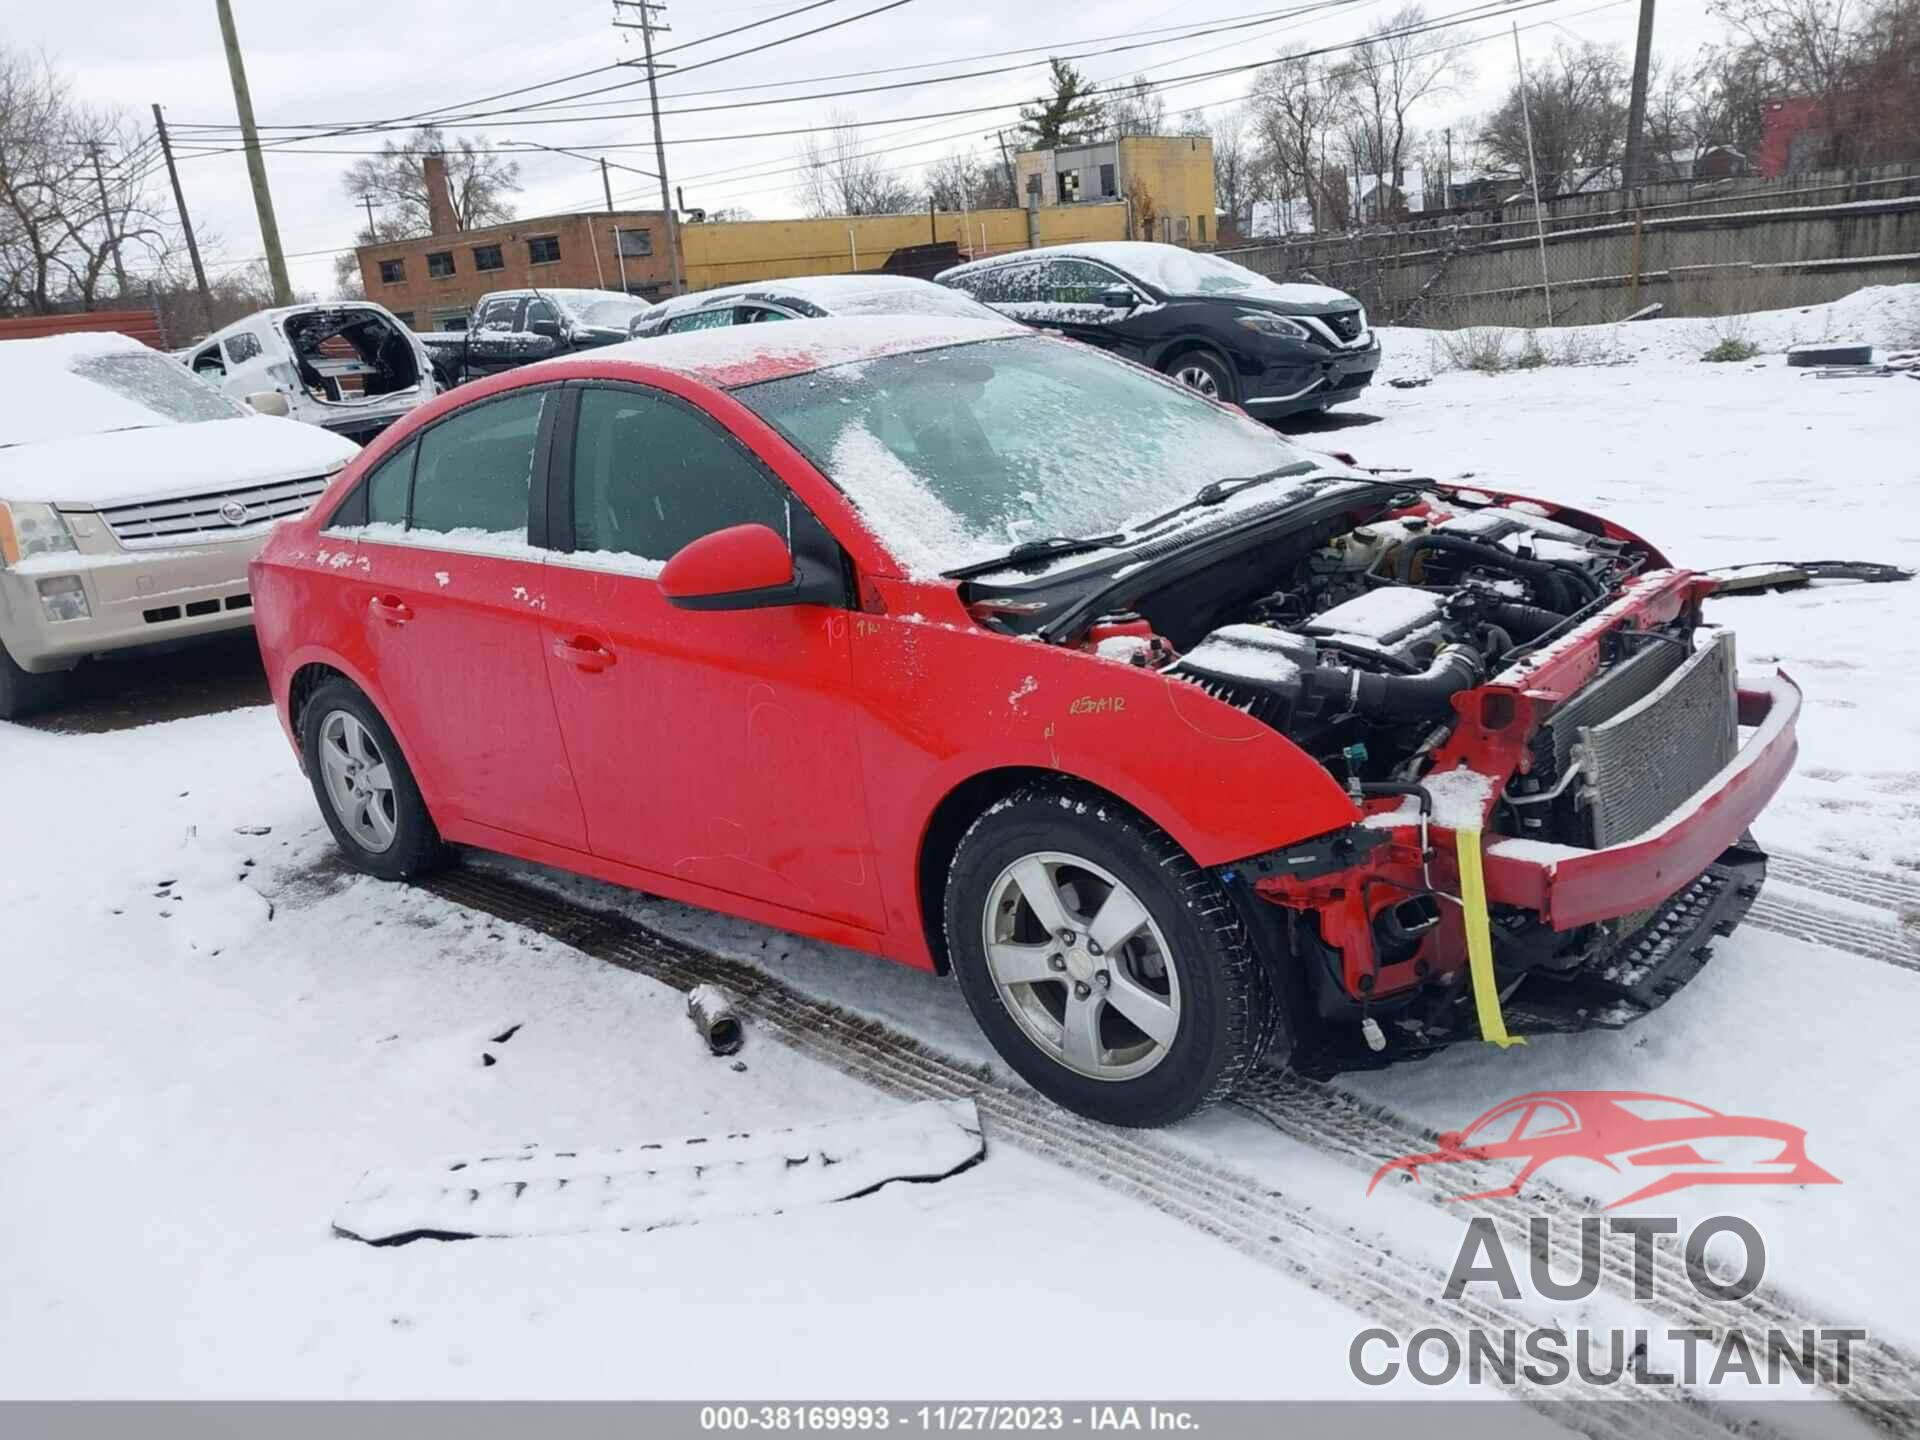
column 1801, row 356
column 1410, row 382
column 711, row 1010
column 1793, row 574
column 529, row 1190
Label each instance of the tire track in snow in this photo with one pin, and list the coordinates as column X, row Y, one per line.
column 1881, row 889
column 1819, row 926
column 1885, row 1383
column 1351, row 1266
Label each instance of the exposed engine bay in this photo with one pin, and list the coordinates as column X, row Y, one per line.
column 1373, row 628
column 1444, row 658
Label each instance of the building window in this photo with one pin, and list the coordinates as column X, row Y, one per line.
column 488, row 257
column 393, row 272
column 440, row 264
column 1107, row 181
column 405, row 317
column 635, row 242
column 1069, row 186
column 543, row 249
column 1201, row 222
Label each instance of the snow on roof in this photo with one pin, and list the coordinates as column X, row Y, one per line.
column 574, row 303
column 869, row 294
column 1174, row 271
column 41, row 396
column 746, row 354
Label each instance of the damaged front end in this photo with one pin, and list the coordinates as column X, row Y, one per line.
column 1544, row 741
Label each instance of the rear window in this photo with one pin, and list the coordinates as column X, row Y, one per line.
column 475, row 468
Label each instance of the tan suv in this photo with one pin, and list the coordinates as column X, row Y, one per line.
column 132, row 495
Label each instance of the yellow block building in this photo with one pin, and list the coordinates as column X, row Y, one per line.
column 1164, row 181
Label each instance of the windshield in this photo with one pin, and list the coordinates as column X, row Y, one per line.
column 956, row 455
column 163, row 386
column 611, row 314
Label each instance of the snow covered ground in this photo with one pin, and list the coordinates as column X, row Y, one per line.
column 210, row 1031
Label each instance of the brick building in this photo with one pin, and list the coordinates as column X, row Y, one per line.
column 432, row 281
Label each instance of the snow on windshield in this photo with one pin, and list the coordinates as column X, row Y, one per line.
column 1188, row 272
column 88, row 384
column 603, row 309
column 956, row 455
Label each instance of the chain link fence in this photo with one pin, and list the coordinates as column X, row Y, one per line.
column 1737, row 246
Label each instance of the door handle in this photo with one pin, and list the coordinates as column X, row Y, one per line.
column 391, row 609
column 583, row 652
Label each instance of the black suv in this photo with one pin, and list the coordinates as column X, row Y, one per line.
column 1230, row 333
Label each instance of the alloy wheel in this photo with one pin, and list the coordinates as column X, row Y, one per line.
column 359, row 783
column 1081, row 966
column 1198, row 378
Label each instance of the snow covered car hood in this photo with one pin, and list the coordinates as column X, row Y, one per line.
column 83, row 472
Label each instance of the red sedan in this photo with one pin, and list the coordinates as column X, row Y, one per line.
column 991, row 653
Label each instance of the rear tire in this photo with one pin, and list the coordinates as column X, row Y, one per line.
column 366, row 792
column 23, row 694
column 1203, row 374
column 1143, row 1000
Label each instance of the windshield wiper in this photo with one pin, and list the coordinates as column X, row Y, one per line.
column 1027, row 551
column 1217, row 492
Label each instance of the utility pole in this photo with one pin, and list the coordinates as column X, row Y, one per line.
column 106, row 214
column 1446, row 180
column 606, row 183
column 647, row 25
column 1533, row 168
column 1636, row 167
column 372, row 234
column 186, row 224
column 256, row 166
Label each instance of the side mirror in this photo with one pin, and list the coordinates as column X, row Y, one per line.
column 742, row 567
column 546, row 329
column 270, row 402
column 1118, row 298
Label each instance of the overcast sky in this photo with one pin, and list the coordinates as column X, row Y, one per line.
column 394, row 58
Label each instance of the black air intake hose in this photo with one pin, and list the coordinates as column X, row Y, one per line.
column 1397, row 697
column 1522, row 622
column 1554, row 584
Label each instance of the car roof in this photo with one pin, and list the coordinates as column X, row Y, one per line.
column 1163, row 267
column 748, row 354
column 829, row 293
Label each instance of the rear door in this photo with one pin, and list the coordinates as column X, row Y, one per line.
column 1075, row 305
column 497, row 336
column 716, row 747
column 450, row 594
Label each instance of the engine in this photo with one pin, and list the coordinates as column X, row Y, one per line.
column 1359, row 656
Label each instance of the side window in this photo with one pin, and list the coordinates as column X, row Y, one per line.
column 387, row 488
column 501, row 315
column 242, row 347
column 651, row 474
column 538, row 310
column 1012, row 285
column 474, row 470
column 714, row 319
column 759, row 315
column 1079, row 282
column 209, row 365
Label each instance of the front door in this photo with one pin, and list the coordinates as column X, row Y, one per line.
column 446, row 587
column 716, row 747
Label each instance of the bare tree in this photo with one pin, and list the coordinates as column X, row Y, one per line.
column 1578, row 100
column 1233, row 169
column 1385, row 79
column 482, row 182
column 1136, row 108
column 838, row 177
column 1296, row 106
column 79, row 203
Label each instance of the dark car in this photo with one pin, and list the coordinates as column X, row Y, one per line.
column 1278, row 349
column 511, row 328
column 806, row 297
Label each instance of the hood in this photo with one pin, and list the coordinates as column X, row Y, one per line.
column 84, row 472
column 1287, row 299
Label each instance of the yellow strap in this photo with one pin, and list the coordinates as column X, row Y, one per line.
column 1473, row 905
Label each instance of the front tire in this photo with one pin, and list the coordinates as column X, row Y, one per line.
column 365, row 789
column 1105, row 966
column 23, row 693
column 1205, row 375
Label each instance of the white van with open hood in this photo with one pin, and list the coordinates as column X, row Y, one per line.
column 349, row 367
